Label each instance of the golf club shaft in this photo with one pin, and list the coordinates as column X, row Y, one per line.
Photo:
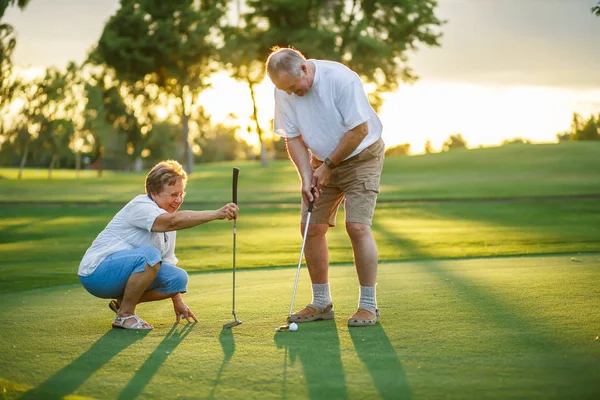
column 234, row 235
column 236, row 172
column 310, row 207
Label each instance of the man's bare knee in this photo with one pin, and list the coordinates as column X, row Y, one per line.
column 357, row 231
column 314, row 230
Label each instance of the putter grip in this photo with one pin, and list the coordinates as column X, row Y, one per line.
column 312, row 203
column 236, row 172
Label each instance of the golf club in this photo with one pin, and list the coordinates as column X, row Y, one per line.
column 286, row 327
column 236, row 322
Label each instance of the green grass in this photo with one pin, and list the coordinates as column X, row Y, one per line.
column 571, row 168
column 42, row 246
column 509, row 328
column 492, row 294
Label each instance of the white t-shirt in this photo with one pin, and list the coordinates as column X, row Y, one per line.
column 335, row 104
column 130, row 228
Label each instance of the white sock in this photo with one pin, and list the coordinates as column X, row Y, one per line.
column 368, row 300
column 320, row 295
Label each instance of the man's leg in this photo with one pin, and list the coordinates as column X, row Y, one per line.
column 365, row 252
column 316, row 252
column 317, row 262
column 366, row 261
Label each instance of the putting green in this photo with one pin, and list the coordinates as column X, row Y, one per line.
column 515, row 327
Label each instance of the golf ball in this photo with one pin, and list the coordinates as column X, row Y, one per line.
column 293, row 327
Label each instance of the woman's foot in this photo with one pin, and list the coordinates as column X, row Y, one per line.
column 130, row 322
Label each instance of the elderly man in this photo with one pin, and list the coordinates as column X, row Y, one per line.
column 333, row 137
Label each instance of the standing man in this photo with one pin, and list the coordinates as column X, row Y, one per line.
column 333, row 137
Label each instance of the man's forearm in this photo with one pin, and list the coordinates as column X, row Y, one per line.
column 300, row 157
column 350, row 141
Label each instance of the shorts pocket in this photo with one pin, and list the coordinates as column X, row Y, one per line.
column 372, row 187
column 376, row 149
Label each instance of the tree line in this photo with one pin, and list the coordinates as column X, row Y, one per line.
column 158, row 55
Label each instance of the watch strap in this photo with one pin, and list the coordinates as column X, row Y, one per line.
column 329, row 163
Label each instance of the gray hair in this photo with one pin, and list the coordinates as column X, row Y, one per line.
column 284, row 60
column 165, row 173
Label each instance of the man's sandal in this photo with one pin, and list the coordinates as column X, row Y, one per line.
column 312, row 313
column 113, row 305
column 363, row 317
column 119, row 323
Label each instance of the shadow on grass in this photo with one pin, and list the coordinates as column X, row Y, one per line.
column 377, row 353
column 318, row 349
column 145, row 373
column 71, row 377
column 561, row 369
column 228, row 345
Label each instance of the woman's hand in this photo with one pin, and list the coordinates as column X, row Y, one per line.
column 182, row 311
column 228, row 211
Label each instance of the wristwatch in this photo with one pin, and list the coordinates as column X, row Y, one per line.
column 329, row 163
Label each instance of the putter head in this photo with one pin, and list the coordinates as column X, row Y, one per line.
column 232, row 324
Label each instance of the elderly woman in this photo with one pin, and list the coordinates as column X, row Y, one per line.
column 133, row 259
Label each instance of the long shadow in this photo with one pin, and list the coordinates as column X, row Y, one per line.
column 317, row 347
column 379, row 356
column 561, row 363
column 228, row 345
column 13, row 234
column 71, row 377
column 143, row 375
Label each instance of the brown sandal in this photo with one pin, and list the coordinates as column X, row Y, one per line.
column 113, row 305
column 312, row 313
column 363, row 317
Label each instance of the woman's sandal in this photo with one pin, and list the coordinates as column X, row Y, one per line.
column 119, row 323
column 113, row 305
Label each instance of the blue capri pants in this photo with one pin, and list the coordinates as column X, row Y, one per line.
column 109, row 279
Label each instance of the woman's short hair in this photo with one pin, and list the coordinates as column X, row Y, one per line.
column 284, row 59
column 165, row 173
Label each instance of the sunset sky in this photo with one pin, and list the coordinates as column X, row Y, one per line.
column 506, row 68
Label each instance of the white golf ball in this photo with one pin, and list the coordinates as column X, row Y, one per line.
column 293, row 327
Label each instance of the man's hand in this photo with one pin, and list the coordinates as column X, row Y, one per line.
column 320, row 178
column 309, row 193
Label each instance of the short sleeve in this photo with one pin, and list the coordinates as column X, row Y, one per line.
column 284, row 123
column 353, row 104
column 144, row 214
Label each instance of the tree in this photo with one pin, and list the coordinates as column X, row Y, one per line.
column 8, row 82
column 428, row 147
column 371, row 37
column 517, row 140
column 399, row 150
column 589, row 130
column 455, row 141
column 110, row 118
column 4, row 4
column 7, row 45
column 167, row 43
column 596, row 10
column 221, row 144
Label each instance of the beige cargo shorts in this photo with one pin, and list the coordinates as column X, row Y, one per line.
column 356, row 181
